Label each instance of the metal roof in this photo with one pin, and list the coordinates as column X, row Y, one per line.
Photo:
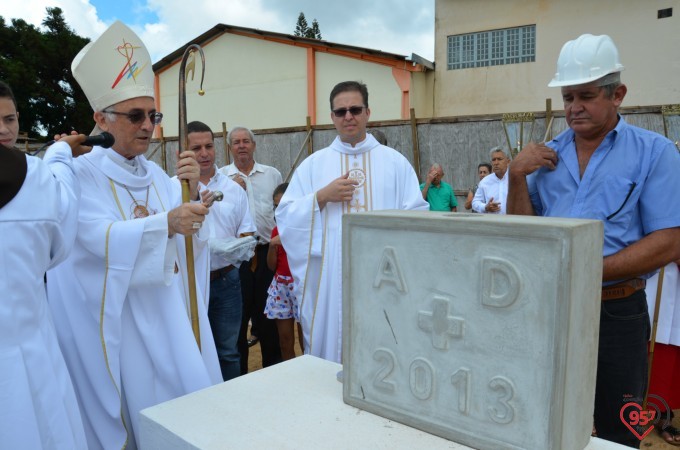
column 221, row 28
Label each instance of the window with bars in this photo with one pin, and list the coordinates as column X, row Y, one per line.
column 492, row 48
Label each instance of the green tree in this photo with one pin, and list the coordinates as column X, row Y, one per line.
column 302, row 29
column 315, row 32
column 37, row 65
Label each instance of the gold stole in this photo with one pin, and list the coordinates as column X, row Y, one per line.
column 359, row 168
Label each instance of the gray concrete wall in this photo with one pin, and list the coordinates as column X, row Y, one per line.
column 457, row 144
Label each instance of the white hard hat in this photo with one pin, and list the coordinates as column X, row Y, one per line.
column 586, row 59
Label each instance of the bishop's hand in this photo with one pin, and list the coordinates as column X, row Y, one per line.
column 186, row 219
column 188, row 169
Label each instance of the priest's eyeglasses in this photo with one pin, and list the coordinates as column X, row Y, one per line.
column 137, row 116
column 353, row 110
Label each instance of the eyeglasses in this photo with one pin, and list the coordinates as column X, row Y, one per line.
column 137, row 116
column 354, row 111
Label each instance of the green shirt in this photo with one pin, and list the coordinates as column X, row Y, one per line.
column 440, row 198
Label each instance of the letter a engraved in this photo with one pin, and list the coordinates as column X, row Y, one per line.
column 501, row 282
column 389, row 271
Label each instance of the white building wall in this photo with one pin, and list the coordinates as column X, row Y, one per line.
column 384, row 95
column 649, row 49
column 248, row 82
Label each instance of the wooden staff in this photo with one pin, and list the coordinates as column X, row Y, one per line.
column 184, row 145
column 650, row 356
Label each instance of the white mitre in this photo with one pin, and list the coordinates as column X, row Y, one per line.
column 113, row 68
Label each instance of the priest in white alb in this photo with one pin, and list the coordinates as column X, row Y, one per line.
column 354, row 174
column 38, row 224
column 120, row 301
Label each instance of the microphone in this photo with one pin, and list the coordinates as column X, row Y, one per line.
column 104, row 139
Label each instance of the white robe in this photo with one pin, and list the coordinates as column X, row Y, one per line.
column 121, row 311
column 38, row 407
column 668, row 325
column 312, row 238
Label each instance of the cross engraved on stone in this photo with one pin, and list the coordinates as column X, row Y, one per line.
column 440, row 323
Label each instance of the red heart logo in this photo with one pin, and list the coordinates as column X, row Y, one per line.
column 638, row 417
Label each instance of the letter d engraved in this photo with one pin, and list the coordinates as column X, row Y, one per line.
column 501, row 282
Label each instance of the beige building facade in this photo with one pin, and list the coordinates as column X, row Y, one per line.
column 266, row 80
column 497, row 56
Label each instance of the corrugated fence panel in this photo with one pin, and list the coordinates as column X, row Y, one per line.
column 459, row 146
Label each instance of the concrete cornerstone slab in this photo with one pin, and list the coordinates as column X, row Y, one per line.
column 482, row 329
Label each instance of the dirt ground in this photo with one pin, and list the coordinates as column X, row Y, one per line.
column 653, row 440
column 255, row 354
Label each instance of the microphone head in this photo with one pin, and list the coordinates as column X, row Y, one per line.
column 107, row 139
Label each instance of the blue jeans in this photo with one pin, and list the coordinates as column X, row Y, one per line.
column 224, row 313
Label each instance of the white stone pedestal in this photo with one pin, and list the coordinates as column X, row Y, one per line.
column 476, row 327
column 298, row 405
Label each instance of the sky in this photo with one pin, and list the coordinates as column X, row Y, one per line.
column 396, row 26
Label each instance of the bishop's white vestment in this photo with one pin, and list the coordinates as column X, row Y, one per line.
column 38, row 407
column 121, row 303
column 313, row 237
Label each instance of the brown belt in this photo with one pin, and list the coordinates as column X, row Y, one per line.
column 623, row 289
column 215, row 274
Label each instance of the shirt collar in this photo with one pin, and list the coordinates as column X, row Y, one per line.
column 231, row 169
column 216, row 175
column 568, row 134
column 362, row 147
column 214, row 178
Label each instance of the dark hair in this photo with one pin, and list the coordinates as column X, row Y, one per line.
column 350, row 86
column 280, row 189
column 487, row 165
column 199, row 127
column 6, row 92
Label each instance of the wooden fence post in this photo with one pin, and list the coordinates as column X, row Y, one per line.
column 310, row 147
column 164, row 159
column 227, row 158
column 416, row 148
column 548, row 118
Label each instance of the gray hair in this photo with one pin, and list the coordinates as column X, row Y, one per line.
column 498, row 149
column 111, row 117
column 437, row 166
column 610, row 88
column 608, row 83
column 610, row 78
column 250, row 133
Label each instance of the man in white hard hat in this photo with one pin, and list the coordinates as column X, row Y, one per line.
column 603, row 168
column 119, row 302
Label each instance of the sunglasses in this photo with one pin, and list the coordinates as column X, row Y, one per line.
column 354, row 111
column 137, row 116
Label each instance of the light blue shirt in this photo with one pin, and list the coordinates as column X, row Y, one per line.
column 631, row 183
